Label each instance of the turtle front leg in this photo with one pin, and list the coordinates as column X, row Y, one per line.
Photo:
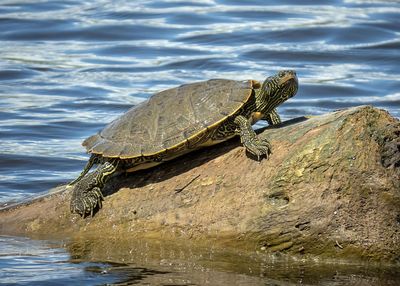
column 250, row 139
column 87, row 193
column 273, row 117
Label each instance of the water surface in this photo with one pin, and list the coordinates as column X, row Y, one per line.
column 36, row 262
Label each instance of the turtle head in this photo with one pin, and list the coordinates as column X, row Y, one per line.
column 277, row 89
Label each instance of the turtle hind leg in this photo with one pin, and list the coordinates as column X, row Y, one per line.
column 94, row 159
column 85, row 202
column 87, row 193
column 250, row 139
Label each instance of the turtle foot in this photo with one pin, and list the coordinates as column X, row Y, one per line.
column 258, row 148
column 87, row 195
column 85, row 202
column 250, row 140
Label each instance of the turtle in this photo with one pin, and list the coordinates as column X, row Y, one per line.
column 176, row 121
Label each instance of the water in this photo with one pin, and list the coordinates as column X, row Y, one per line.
column 28, row 262
column 33, row 262
column 69, row 67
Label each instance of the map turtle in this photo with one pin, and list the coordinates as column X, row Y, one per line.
column 176, row 121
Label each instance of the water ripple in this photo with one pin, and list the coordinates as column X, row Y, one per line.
column 69, row 67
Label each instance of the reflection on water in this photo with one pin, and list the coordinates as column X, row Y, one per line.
column 195, row 264
column 69, row 67
column 30, row 262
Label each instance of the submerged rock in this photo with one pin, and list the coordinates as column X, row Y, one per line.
column 330, row 189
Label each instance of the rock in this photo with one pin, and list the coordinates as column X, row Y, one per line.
column 331, row 189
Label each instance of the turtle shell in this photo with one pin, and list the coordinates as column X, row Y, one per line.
column 170, row 118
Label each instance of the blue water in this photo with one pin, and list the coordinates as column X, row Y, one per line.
column 28, row 262
column 69, row 67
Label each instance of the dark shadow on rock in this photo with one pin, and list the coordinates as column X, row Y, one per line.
column 283, row 124
column 184, row 163
column 168, row 169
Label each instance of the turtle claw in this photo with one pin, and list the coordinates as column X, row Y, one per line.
column 258, row 148
column 84, row 203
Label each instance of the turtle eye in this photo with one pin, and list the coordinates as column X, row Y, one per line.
column 281, row 74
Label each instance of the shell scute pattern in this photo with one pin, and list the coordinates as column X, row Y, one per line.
column 174, row 118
